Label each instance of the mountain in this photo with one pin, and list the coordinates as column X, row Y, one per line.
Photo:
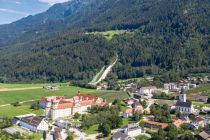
column 166, row 37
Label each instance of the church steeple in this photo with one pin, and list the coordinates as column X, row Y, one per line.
column 182, row 96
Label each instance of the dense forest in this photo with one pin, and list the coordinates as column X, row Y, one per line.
column 168, row 37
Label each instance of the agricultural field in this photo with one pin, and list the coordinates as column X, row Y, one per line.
column 27, row 96
column 110, row 34
column 11, row 86
column 202, row 90
column 8, row 97
column 11, row 111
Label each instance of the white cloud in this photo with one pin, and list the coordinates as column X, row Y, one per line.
column 17, row 2
column 14, row 12
column 51, row 2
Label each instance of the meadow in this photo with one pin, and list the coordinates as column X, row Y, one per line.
column 111, row 33
column 30, row 95
column 202, row 90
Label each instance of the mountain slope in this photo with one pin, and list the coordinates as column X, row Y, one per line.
column 167, row 35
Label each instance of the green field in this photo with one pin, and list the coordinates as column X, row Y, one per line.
column 8, row 97
column 11, row 111
column 202, row 90
column 110, row 34
column 111, row 95
column 21, row 85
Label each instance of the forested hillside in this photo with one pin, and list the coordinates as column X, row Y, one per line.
column 165, row 36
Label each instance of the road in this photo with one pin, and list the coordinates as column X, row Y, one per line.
column 80, row 135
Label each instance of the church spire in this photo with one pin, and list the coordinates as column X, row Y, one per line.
column 182, row 96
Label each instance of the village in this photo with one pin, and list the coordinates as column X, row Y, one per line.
column 147, row 112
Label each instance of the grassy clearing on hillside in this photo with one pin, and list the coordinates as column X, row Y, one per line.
column 110, row 34
column 98, row 75
column 202, row 89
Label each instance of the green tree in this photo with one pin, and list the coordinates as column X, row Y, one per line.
column 44, row 135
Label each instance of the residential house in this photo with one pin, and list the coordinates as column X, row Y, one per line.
column 177, row 122
column 33, row 123
column 130, row 101
column 133, row 130
column 121, row 136
column 147, row 90
column 197, row 122
column 136, row 107
column 170, row 86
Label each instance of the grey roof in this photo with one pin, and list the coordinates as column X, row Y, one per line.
column 121, row 135
column 204, row 135
column 184, row 104
column 32, row 120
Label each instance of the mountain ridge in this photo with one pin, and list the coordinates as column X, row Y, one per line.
column 167, row 36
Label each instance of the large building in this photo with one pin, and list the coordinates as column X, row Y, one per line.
column 57, row 107
column 182, row 105
column 32, row 123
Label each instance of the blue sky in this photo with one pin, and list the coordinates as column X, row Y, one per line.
column 12, row 10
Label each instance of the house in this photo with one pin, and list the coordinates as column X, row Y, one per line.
column 184, row 118
column 130, row 101
column 147, row 90
column 59, row 107
column 128, row 113
column 198, row 121
column 178, row 123
column 203, row 135
column 121, row 136
column 152, row 124
column 33, row 123
column 133, row 130
column 136, row 107
column 182, row 105
column 170, row 86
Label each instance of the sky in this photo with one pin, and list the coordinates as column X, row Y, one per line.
column 12, row 10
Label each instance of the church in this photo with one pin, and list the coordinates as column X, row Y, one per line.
column 182, row 105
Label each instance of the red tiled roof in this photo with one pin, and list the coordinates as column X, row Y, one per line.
column 162, row 125
column 82, row 99
column 129, row 110
column 178, row 123
column 65, row 105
